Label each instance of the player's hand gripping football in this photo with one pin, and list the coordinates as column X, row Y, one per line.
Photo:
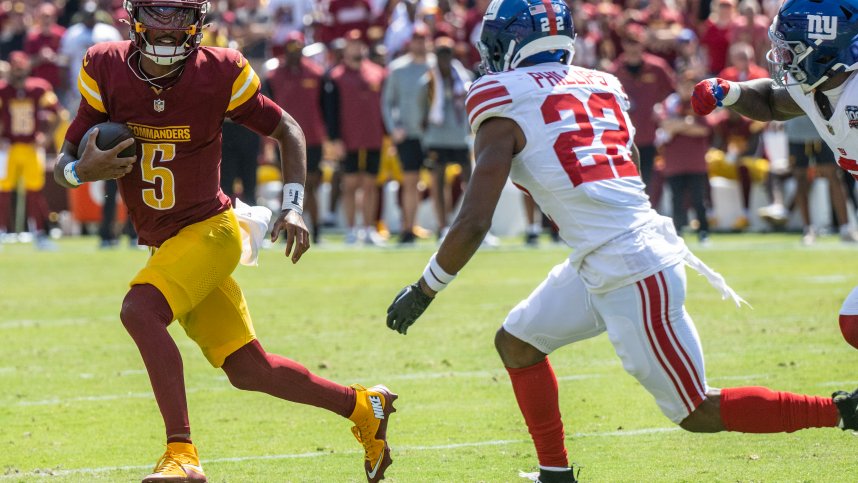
column 709, row 94
column 407, row 307
column 297, row 236
column 95, row 164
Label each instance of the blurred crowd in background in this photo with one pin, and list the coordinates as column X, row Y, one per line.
column 379, row 87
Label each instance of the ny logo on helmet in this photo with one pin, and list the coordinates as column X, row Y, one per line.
column 821, row 27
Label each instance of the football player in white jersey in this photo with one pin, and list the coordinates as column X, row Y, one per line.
column 563, row 134
column 814, row 60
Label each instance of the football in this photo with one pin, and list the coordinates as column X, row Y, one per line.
column 109, row 135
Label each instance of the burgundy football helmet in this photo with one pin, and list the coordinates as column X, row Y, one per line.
column 167, row 31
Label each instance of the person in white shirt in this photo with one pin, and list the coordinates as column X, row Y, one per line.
column 74, row 44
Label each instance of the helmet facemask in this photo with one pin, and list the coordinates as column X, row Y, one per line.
column 154, row 21
column 785, row 59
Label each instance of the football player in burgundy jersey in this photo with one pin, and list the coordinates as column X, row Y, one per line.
column 563, row 134
column 28, row 113
column 813, row 59
column 174, row 95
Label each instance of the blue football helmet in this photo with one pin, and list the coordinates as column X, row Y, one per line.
column 813, row 40
column 536, row 30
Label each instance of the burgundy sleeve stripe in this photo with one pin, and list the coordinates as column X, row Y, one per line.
column 483, row 95
column 473, row 116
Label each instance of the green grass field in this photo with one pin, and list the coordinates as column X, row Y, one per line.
column 76, row 404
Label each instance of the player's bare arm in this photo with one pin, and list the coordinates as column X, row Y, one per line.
column 762, row 100
column 759, row 99
column 293, row 165
column 497, row 141
column 94, row 164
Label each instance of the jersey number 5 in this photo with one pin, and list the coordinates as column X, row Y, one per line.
column 581, row 156
column 165, row 198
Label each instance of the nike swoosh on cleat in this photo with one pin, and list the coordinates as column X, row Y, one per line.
column 372, row 473
column 198, row 469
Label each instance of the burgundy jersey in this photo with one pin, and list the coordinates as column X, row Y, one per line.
column 22, row 110
column 35, row 43
column 176, row 179
column 361, row 124
column 297, row 91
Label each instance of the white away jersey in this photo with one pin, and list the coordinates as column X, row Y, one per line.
column 841, row 131
column 577, row 166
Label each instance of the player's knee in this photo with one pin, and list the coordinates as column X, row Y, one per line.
column 514, row 352
column 143, row 306
column 242, row 379
column 849, row 329
column 849, row 318
column 247, row 368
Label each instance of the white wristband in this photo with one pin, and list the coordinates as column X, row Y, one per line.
column 293, row 197
column 435, row 277
column 732, row 95
column 71, row 175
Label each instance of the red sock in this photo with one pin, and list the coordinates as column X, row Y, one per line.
column 37, row 210
column 761, row 410
column 146, row 315
column 252, row 369
column 5, row 210
column 536, row 391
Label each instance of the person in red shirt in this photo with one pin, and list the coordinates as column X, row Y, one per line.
column 352, row 107
column 28, row 114
column 295, row 85
column 42, row 44
column 752, row 27
column 343, row 16
column 742, row 135
column 648, row 80
column 687, row 138
column 716, row 33
column 174, row 95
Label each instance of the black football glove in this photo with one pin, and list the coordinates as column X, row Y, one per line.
column 407, row 307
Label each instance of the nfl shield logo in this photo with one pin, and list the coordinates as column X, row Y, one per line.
column 852, row 115
column 159, row 105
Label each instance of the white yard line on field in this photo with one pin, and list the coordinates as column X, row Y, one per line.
column 316, row 454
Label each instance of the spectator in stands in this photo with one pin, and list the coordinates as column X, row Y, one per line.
column 351, row 101
column 648, row 80
column 403, row 117
column 806, row 147
column 742, row 136
column 341, row 17
column 404, row 22
column 685, row 140
column 14, row 29
column 74, row 43
column 250, row 30
column 295, row 85
column 751, row 27
column 288, row 16
column 716, row 33
column 43, row 45
column 29, row 111
column 743, row 64
column 444, row 90
column 688, row 56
